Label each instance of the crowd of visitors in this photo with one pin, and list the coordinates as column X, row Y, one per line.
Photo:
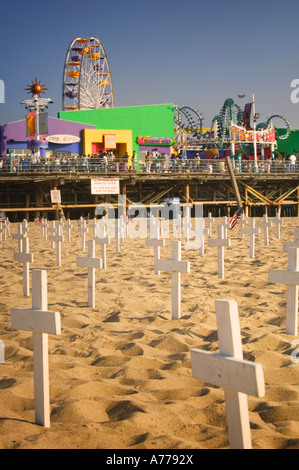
column 154, row 162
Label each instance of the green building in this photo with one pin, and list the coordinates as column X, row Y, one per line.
column 151, row 127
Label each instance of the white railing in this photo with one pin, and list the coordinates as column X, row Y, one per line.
column 97, row 165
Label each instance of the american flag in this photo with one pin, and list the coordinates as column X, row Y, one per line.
column 234, row 220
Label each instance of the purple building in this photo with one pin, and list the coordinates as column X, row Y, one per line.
column 65, row 137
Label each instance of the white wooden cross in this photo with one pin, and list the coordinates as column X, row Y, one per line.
column 154, row 223
column 220, row 242
column 295, row 243
column 210, row 222
column 41, row 323
column 90, row 262
column 278, row 222
column 199, row 232
column 83, row 229
column 252, row 230
column 52, row 230
column 61, row 225
column 242, row 222
column 291, row 279
column 25, row 226
column 68, row 227
column 7, row 225
column 44, row 226
column 58, row 238
column 25, row 257
column 19, row 236
column 156, row 243
column 117, row 234
column 176, row 267
column 93, row 226
column 265, row 224
column 229, row 370
column 123, row 220
column 187, row 221
column 225, row 225
column 103, row 241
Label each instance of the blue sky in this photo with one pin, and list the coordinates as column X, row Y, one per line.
column 190, row 53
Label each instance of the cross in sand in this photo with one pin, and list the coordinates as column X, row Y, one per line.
column 199, row 232
column 90, row 262
column 103, row 241
column 278, row 222
column 220, row 242
column 176, row 267
column 41, row 322
column 242, row 222
column 7, row 225
column 58, row 238
column 25, row 226
column 187, row 222
column 19, row 236
column 210, row 222
column 252, row 230
column 44, row 226
column 156, row 243
column 68, row 227
column 25, row 257
column 52, row 230
column 83, row 229
column 93, row 226
column 291, row 279
column 229, row 370
column 265, row 224
column 225, row 225
column 5, row 228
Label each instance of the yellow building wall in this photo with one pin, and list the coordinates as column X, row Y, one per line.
column 122, row 137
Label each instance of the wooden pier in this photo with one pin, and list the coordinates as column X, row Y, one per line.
column 27, row 195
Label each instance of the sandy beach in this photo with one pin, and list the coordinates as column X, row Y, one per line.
column 120, row 373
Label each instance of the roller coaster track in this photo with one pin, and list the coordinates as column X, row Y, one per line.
column 190, row 121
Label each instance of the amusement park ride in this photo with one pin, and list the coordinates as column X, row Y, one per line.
column 189, row 127
column 229, row 128
column 87, row 84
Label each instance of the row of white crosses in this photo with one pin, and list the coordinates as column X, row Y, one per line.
column 227, row 369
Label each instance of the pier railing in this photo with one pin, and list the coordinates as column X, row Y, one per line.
column 97, row 165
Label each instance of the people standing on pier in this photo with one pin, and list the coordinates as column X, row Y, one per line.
column 134, row 161
column 148, row 162
column 293, row 159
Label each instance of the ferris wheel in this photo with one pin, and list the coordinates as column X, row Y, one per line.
column 87, row 82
